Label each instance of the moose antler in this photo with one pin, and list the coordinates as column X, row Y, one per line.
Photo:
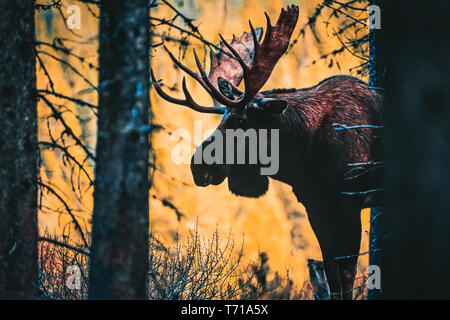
column 266, row 55
column 223, row 65
column 188, row 101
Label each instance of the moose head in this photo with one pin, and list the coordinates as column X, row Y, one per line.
column 247, row 59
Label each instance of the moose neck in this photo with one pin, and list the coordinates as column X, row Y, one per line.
column 294, row 137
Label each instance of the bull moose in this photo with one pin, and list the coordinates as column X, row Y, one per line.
column 314, row 156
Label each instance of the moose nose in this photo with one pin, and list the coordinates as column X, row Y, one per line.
column 207, row 179
column 202, row 179
column 202, row 176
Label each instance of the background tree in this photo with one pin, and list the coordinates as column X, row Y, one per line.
column 19, row 152
column 377, row 73
column 67, row 63
column 119, row 255
column 417, row 259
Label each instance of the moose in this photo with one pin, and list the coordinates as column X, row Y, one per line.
column 314, row 157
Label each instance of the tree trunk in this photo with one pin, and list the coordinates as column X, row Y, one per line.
column 18, row 152
column 119, row 260
column 377, row 73
column 417, row 260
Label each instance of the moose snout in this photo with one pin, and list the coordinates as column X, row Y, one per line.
column 202, row 177
column 205, row 174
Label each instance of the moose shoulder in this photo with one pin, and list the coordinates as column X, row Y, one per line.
column 314, row 156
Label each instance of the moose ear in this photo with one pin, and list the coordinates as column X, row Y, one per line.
column 275, row 106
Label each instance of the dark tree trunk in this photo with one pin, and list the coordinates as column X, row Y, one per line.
column 416, row 263
column 18, row 152
column 119, row 260
column 377, row 72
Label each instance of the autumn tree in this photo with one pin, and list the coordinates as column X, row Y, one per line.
column 119, row 255
column 19, row 152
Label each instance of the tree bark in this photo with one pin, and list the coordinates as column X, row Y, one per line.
column 377, row 73
column 417, row 260
column 119, row 259
column 18, row 152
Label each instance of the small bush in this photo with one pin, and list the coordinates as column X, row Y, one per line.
column 198, row 269
column 58, row 259
column 278, row 288
column 195, row 269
